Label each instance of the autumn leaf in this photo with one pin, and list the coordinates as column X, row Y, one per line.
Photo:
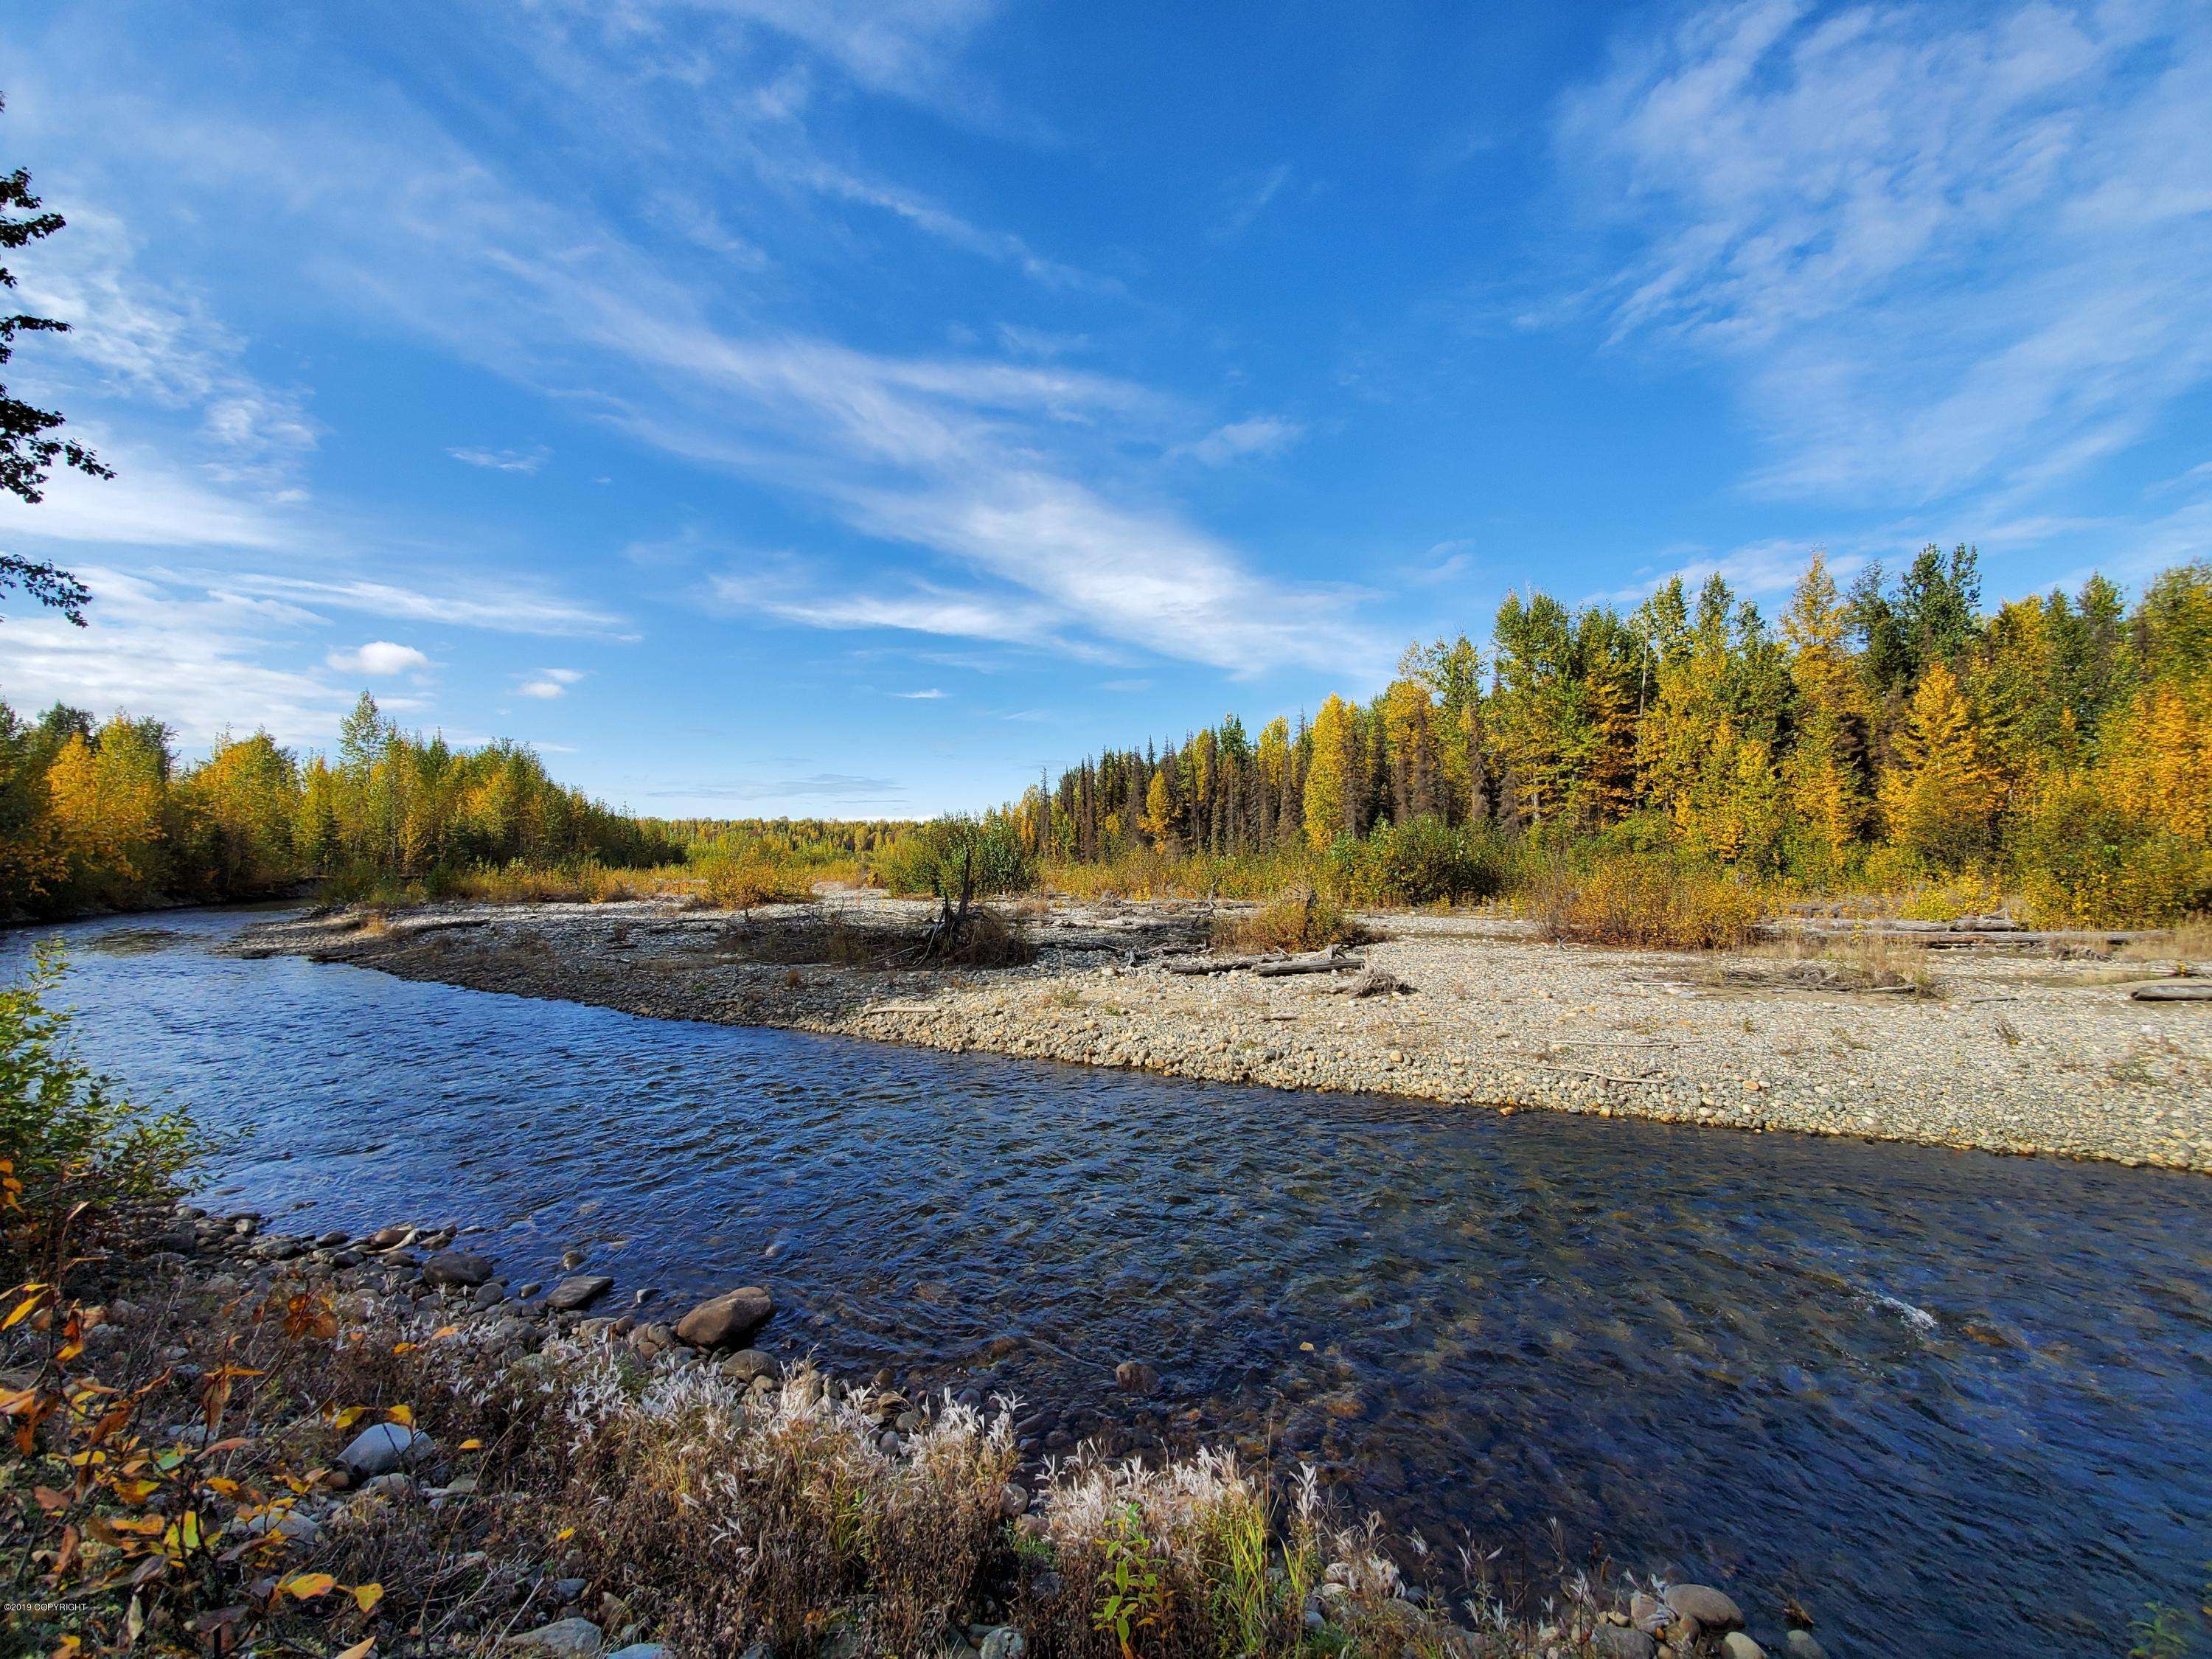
column 366, row 1596
column 307, row 1585
column 24, row 1308
column 402, row 1415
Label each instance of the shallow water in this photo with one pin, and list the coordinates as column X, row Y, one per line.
column 1951, row 1394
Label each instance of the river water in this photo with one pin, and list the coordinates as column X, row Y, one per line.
column 1952, row 1395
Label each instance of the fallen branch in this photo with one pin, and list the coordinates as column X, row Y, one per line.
column 2196, row 991
column 1331, row 961
column 1190, row 965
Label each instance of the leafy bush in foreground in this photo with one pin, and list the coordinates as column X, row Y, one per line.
column 73, row 1144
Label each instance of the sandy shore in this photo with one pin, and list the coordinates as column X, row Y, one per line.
column 2017, row 1051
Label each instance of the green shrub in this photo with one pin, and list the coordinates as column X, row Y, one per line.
column 932, row 859
column 2085, row 860
column 1424, row 861
column 79, row 1152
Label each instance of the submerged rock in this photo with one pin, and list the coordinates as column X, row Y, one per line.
column 578, row 1293
column 460, row 1267
column 1134, row 1376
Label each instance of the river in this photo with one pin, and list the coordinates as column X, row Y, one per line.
column 1948, row 1394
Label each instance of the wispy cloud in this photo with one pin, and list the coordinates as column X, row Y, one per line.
column 837, row 789
column 930, row 695
column 506, row 608
column 504, row 461
column 793, row 597
column 1248, row 196
column 1261, row 435
column 148, row 503
column 1940, row 248
column 138, row 336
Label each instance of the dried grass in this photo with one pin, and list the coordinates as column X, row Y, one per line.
column 1859, row 962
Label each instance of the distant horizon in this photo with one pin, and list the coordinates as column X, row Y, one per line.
column 844, row 412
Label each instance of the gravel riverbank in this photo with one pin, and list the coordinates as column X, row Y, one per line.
column 2014, row 1052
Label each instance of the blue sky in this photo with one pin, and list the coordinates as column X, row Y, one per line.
column 774, row 407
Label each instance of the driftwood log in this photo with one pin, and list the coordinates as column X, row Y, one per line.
column 1272, row 964
column 1372, row 982
column 1977, row 931
column 2183, row 990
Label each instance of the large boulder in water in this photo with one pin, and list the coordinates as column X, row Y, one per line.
column 727, row 1320
column 1713, row 1610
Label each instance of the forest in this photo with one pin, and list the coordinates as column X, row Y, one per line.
column 1885, row 738
column 102, row 817
column 1892, row 741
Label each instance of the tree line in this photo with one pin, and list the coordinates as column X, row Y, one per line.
column 102, row 815
column 1890, row 733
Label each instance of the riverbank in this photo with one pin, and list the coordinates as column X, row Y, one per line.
column 1997, row 1051
column 369, row 1442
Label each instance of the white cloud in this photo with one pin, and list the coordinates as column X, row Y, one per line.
column 379, row 658
column 504, row 461
column 549, row 683
column 1939, row 248
column 1262, row 434
column 170, row 647
column 930, row 695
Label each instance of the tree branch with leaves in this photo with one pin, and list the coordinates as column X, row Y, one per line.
column 28, row 454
